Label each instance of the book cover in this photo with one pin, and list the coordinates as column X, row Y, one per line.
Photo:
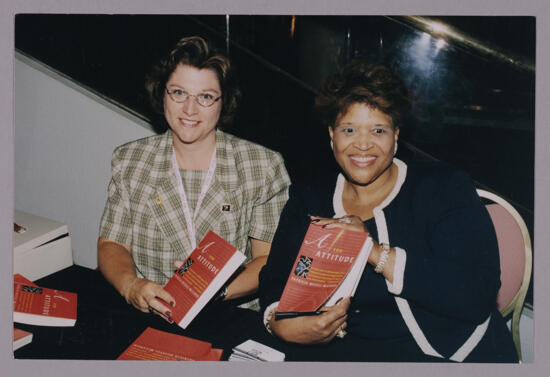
column 21, row 338
column 203, row 274
column 154, row 344
column 43, row 306
column 23, row 280
column 323, row 262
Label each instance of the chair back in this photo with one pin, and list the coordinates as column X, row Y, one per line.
column 514, row 244
column 512, row 256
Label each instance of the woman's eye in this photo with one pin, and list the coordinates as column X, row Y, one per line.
column 207, row 96
column 178, row 92
column 348, row 130
column 379, row 131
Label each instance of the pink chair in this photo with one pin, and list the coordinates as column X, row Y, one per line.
column 514, row 246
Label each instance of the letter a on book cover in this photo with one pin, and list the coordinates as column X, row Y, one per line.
column 208, row 267
column 323, row 262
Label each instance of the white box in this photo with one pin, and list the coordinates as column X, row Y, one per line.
column 43, row 248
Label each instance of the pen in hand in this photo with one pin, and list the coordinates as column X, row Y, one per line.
column 283, row 315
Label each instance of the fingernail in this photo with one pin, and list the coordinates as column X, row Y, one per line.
column 168, row 313
column 172, row 303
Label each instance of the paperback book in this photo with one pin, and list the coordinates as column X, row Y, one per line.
column 203, row 274
column 40, row 306
column 159, row 345
column 328, row 267
column 21, row 338
column 23, row 280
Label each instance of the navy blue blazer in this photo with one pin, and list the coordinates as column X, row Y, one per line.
column 452, row 275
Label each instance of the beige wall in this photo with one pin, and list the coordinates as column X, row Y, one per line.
column 64, row 138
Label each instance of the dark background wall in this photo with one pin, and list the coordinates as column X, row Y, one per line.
column 472, row 79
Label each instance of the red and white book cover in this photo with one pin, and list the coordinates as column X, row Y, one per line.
column 323, row 262
column 23, row 280
column 21, row 338
column 203, row 274
column 40, row 306
column 154, row 344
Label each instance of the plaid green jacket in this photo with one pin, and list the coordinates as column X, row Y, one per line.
column 144, row 209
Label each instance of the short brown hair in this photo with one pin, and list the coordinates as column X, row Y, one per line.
column 199, row 53
column 361, row 82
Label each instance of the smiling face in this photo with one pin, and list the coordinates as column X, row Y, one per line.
column 190, row 122
column 363, row 139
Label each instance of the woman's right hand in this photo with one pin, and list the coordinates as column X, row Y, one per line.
column 313, row 329
column 143, row 294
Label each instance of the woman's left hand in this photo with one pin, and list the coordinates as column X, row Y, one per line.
column 350, row 222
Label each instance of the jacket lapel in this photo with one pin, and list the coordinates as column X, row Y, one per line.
column 165, row 201
column 224, row 183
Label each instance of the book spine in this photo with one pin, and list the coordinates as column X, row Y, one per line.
column 215, row 285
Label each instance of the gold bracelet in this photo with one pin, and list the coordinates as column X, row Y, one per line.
column 383, row 258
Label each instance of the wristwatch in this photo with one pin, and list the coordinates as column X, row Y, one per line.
column 222, row 294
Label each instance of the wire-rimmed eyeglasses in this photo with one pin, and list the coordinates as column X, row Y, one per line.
column 203, row 99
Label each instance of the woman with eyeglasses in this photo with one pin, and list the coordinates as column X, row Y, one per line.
column 167, row 191
column 428, row 292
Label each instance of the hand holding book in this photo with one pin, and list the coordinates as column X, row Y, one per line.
column 327, row 268
column 326, row 272
column 346, row 222
column 355, row 223
column 201, row 276
column 313, row 329
column 148, row 296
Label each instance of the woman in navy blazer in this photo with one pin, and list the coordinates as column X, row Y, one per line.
column 429, row 290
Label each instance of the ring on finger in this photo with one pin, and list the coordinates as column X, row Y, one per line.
column 345, row 220
column 341, row 333
column 150, row 309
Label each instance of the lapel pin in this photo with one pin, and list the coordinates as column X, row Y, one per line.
column 226, row 207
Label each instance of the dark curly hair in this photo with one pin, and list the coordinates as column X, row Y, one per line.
column 360, row 82
column 199, row 53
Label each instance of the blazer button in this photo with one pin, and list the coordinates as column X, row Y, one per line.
column 159, row 200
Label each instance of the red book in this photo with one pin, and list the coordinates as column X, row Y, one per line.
column 208, row 267
column 322, row 265
column 154, row 344
column 21, row 338
column 23, row 280
column 43, row 306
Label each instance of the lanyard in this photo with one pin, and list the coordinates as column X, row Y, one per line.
column 190, row 221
